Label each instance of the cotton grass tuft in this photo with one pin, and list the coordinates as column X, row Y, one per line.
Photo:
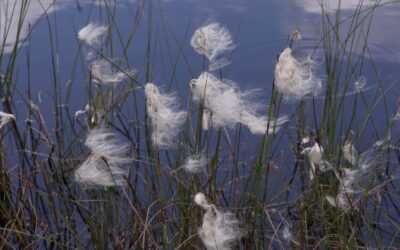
column 92, row 34
column 211, row 40
column 201, row 200
column 165, row 117
column 80, row 113
column 5, row 118
column 359, row 85
column 287, row 235
column 195, row 163
column 104, row 71
column 350, row 186
column 294, row 79
column 225, row 105
column 350, row 153
column 315, row 157
column 219, row 230
column 104, row 165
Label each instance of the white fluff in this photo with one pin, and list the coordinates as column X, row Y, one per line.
column 206, row 119
column 225, row 105
column 315, row 157
column 79, row 113
column 166, row 120
column 104, row 72
column 305, row 140
column 288, row 236
column 351, row 179
column 92, row 34
column 212, row 40
column 340, row 201
column 396, row 116
column 104, row 165
column 359, row 85
column 294, row 79
column 5, row 118
column 220, row 230
column 350, row 153
column 259, row 124
column 195, row 163
column 218, row 64
column 201, row 200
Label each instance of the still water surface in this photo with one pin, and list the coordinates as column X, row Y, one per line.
column 261, row 30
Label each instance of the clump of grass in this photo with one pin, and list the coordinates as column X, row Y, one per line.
column 331, row 182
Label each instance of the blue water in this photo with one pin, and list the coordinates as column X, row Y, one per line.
column 261, row 30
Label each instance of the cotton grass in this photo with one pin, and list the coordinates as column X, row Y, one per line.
column 195, row 163
column 212, row 40
column 219, row 230
column 350, row 153
column 352, row 180
column 294, row 79
column 92, row 34
column 288, row 236
column 315, row 157
column 5, row 118
column 165, row 117
column 104, row 71
column 225, row 105
column 104, row 166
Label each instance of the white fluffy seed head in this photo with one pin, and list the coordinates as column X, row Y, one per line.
column 287, row 235
column 225, row 105
column 315, row 157
column 195, row 163
column 92, row 34
column 219, row 230
column 206, row 119
column 104, row 72
column 104, row 166
column 79, row 113
column 165, row 117
column 305, row 140
column 294, row 79
column 350, row 153
column 352, row 179
column 259, row 124
column 218, row 64
column 97, row 171
column 359, row 85
column 201, row 200
column 5, row 118
column 396, row 116
column 211, row 40
column 314, row 153
column 340, row 201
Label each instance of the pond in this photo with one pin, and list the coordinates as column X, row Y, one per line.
column 96, row 157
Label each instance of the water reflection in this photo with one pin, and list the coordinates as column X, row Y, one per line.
column 383, row 37
column 10, row 18
column 331, row 6
column 384, row 34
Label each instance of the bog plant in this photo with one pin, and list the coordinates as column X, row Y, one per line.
column 140, row 167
